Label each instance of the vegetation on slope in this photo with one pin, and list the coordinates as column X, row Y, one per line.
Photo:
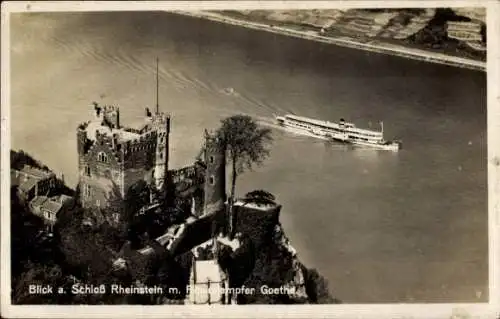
column 77, row 253
column 417, row 28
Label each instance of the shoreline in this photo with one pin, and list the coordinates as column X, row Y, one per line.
column 377, row 47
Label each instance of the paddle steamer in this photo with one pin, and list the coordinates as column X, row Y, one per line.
column 342, row 131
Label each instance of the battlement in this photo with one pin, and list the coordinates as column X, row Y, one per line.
column 160, row 118
column 107, row 109
column 181, row 174
column 144, row 143
column 108, row 114
column 212, row 141
column 105, row 129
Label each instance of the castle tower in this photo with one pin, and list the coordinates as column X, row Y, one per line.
column 215, row 176
column 161, row 123
column 81, row 140
column 112, row 117
column 112, row 158
column 107, row 114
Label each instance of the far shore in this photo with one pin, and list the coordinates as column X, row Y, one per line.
column 373, row 46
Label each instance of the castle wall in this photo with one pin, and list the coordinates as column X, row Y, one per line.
column 98, row 192
column 187, row 179
column 181, row 174
column 133, row 175
column 257, row 224
column 199, row 232
column 126, row 163
column 140, row 153
column 100, row 180
column 44, row 186
column 81, row 140
column 115, row 158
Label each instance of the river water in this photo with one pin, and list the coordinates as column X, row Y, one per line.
column 380, row 226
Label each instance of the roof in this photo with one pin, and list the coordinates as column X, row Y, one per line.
column 123, row 135
column 52, row 204
column 35, row 172
column 25, row 186
column 27, row 177
column 163, row 239
column 38, row 200
column 146, row 250
column 120, row 263
column 141, row 124
column 63, row 199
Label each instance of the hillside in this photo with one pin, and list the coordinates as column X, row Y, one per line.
column 76, row 254
column 457, row 32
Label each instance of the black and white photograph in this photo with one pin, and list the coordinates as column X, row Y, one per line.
column 257, row 155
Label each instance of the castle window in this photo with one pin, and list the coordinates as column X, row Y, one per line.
column 212, row 180
column 211, row 159
column 102, row 157
column 86, row 190
column 161, row 155
column 87, row 170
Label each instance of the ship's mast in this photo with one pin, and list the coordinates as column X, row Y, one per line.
column 157, row 84
column 382, row 127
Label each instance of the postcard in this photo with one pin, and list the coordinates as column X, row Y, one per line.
column 250, row 159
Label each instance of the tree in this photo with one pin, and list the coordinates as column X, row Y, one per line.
column 19, row 159
column 28, row 240
column 41, row 274
column 260, row 196
column 246, row 142
column 137, row 196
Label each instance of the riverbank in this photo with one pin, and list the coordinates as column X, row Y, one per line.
column 371, row 46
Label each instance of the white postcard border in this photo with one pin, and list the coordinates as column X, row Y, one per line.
column 480, row 310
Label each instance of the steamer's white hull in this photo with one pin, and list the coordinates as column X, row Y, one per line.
column 336, row 132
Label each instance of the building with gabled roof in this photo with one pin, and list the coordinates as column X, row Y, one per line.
column 48, row 208
column 31, row 182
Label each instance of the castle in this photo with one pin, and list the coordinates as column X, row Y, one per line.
column 111, row 157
